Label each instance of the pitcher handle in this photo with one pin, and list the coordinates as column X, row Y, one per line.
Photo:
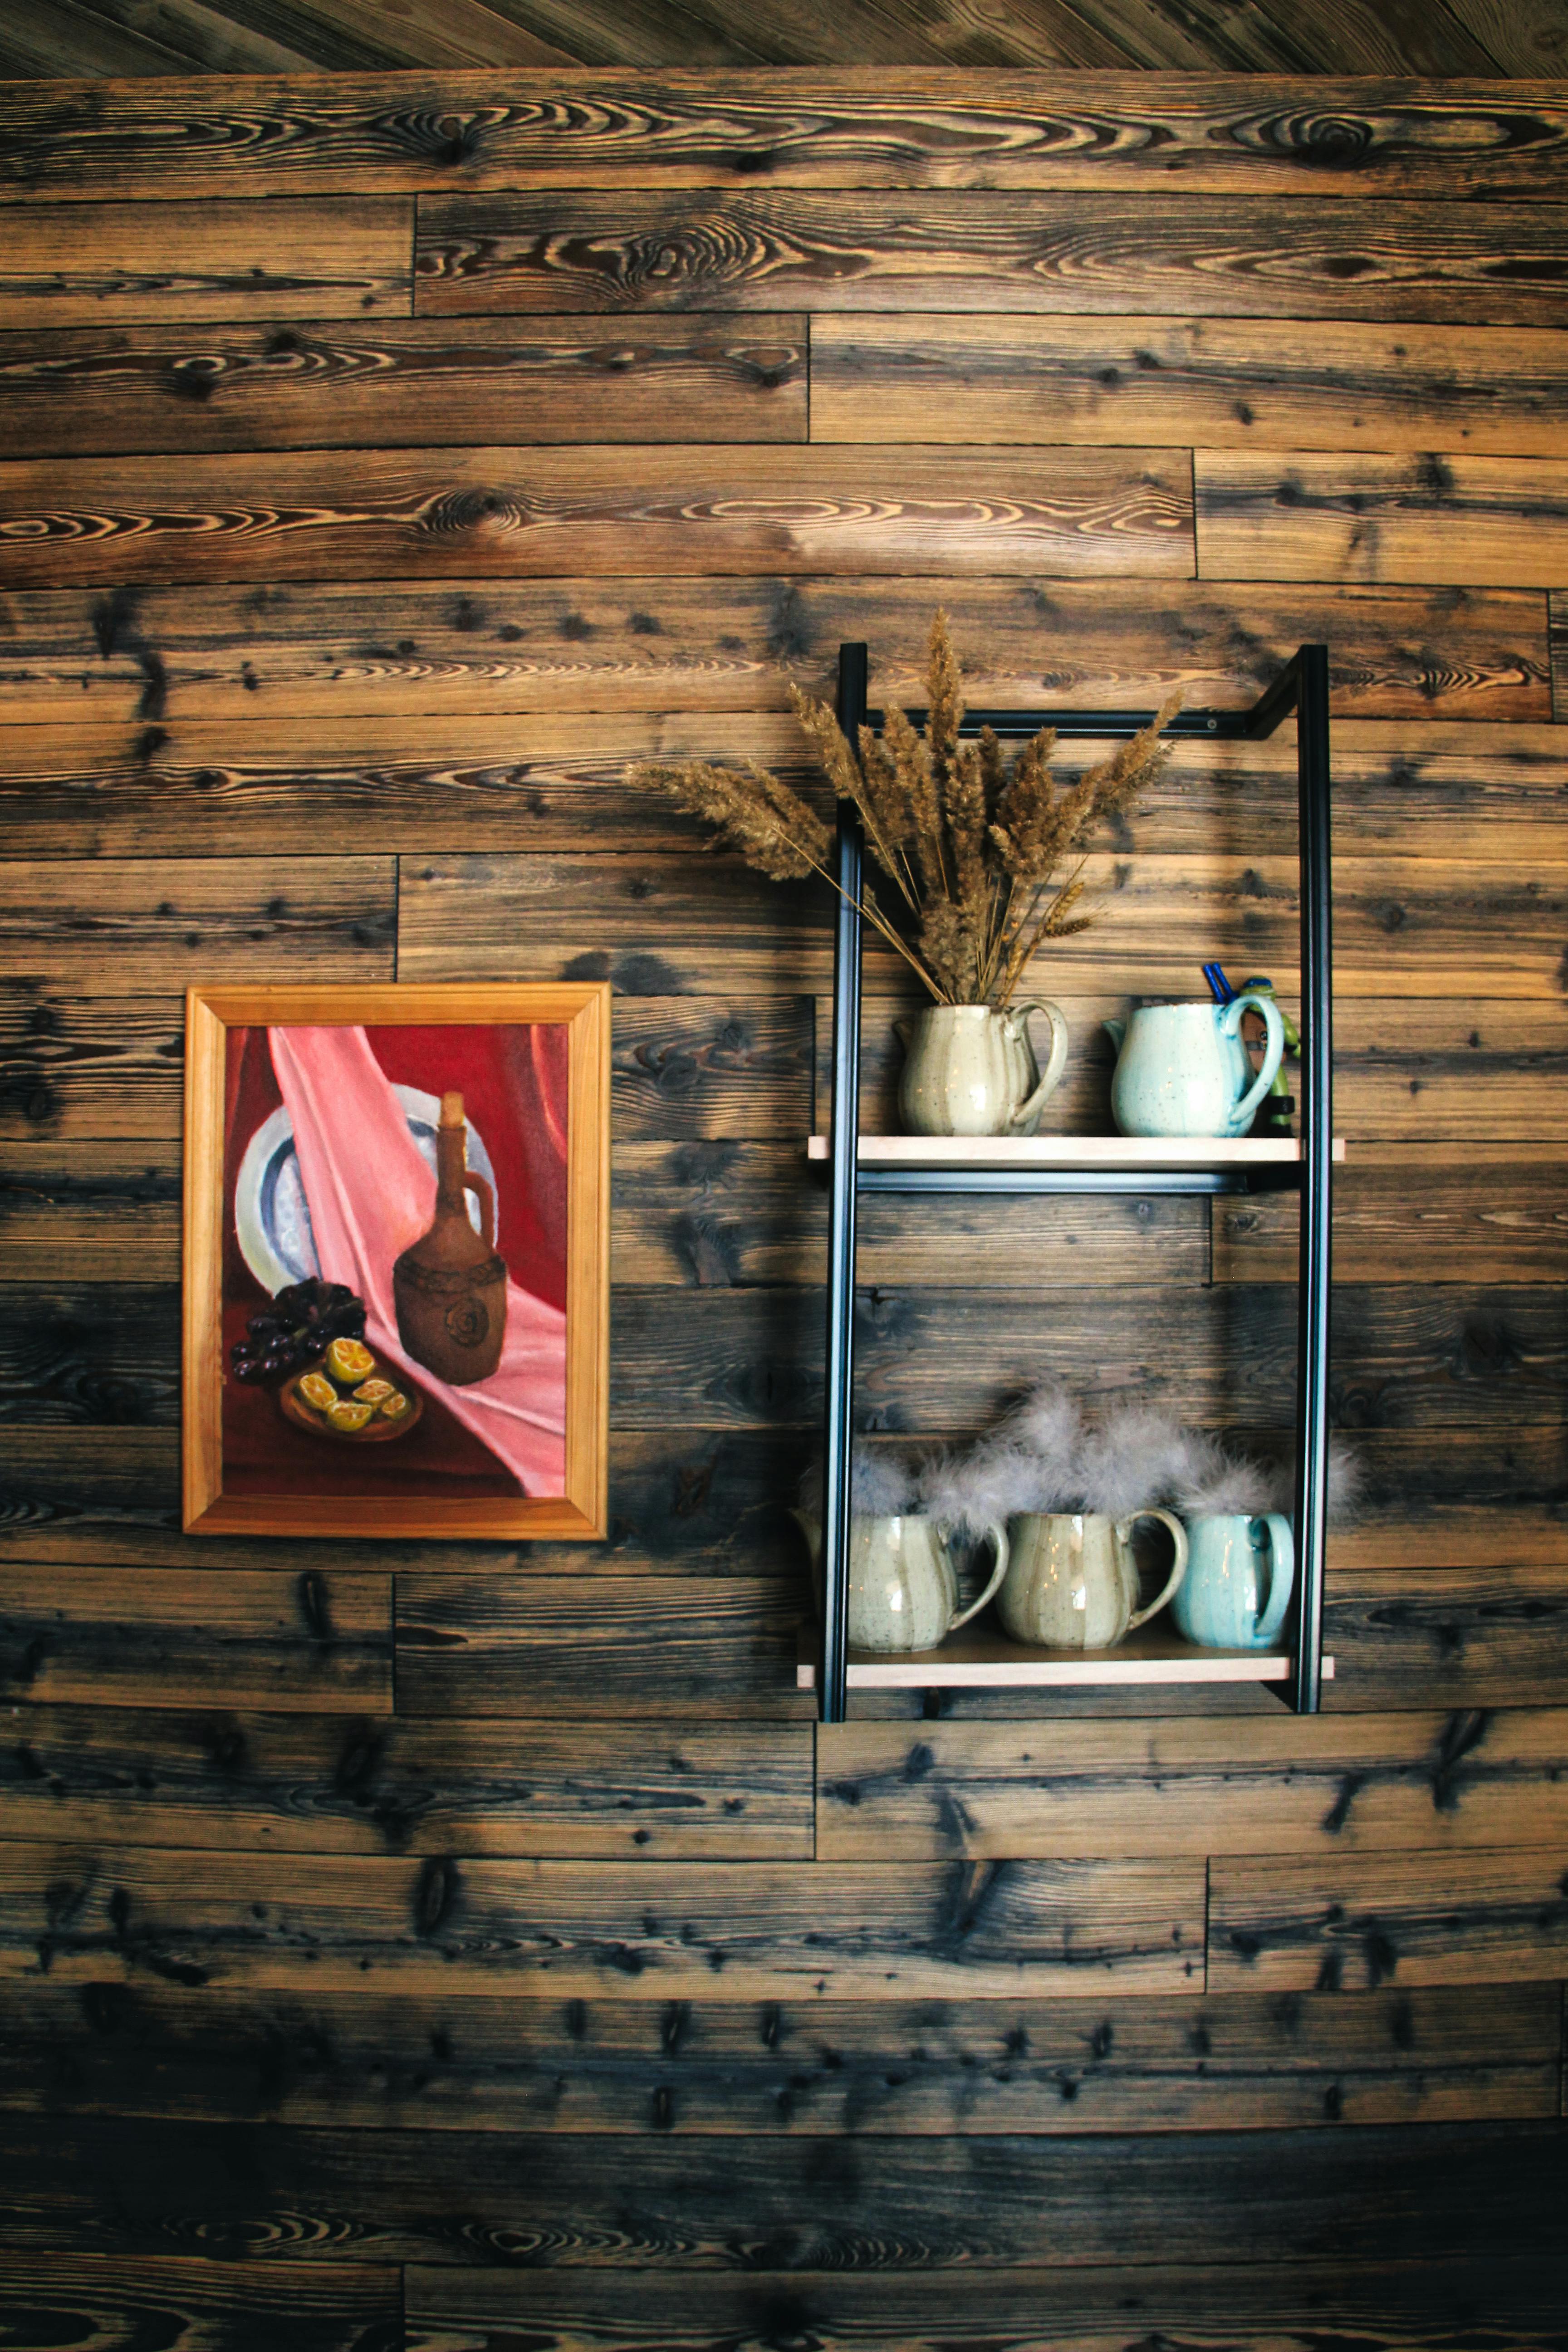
column 1241, row 1115
column 1053, row 1066
column 477, row 1184
column 1281, row 1575
column 998, row 1535
column 1178, row 1566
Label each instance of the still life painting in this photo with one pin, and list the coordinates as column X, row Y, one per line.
column 396, row 1260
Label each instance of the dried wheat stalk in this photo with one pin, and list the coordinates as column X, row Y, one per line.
column 974, row 847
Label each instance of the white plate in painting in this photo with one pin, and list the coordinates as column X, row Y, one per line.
column 271, row 1214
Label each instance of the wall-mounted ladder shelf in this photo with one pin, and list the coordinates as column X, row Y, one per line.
column 980, row 1658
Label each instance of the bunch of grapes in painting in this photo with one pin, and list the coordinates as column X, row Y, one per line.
column 297, row 1328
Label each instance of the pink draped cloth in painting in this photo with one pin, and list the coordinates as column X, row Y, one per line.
column 371, row 1195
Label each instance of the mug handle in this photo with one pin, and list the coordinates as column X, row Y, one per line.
column 1273, row 1052
column 1282, row 1574
column 1178, row 1566
column 998, row 1535
column 1059, row 1054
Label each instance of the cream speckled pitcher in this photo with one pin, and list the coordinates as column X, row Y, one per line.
column 903, row 1587
column 1072, row 1581
column 970, row 1069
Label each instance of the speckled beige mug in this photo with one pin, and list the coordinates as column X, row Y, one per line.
column 903, row 1586
column 1072, row 1581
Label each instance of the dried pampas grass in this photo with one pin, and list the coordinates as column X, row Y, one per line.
column 881, row 1486
column 984, row 853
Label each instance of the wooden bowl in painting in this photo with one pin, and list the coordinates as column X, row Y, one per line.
column 376, row 1431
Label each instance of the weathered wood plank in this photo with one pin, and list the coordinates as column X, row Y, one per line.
column 1185, row 256
column 734, row 1931
column 198, row 2305
column 566, row 1648
column 1404, row 927
column 557, row 785
column 334, row 257
column 568, row 2204
column 1443, row 1355
column 917, row 129
column 1430, row 2308
column 94, row 1213
column 1475, row 1637
column 1494, row 521
column 1224, row 383
column 477, row 2061
column 494, row 511
column 159, row 924
column 1290, row 1785
column 1371, row 1919
column 317, row 386
column 1495, row 1216
column 1559, row 606
column 73, row 1068
column 720, row 1214
column 400, row 647
column 344, row 1784
column 317, row 1639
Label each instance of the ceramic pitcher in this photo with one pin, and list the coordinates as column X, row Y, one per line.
column 970, row 1069
column 1233, row 1562
column 903, row 1586
column 1072, row 1581
column 1182, row 1069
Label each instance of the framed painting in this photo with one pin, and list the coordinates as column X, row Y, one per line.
column 396, row 1260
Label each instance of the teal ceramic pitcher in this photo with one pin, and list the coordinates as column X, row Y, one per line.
column 1237, row 1586
column 1182, row 1069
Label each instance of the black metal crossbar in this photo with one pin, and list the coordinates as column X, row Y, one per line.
column 1301, row 687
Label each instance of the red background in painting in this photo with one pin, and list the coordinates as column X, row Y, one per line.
column 513, row 1082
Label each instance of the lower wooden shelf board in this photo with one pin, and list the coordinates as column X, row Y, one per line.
column 980, row 1658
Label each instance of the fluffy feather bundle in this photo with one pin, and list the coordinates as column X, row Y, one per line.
column 1029, row 1461
column 881, row 1486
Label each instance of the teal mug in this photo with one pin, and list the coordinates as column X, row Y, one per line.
column 1237, row 1586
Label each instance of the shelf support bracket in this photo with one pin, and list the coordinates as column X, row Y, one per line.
column 1311, row 678
column 832, row 1681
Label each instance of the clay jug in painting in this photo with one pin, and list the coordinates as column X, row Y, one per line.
column 449, row 1287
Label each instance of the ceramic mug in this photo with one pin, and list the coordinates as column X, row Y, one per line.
column 970, row 1069
column 903, row 1586
column 1072, row 1582
column 1232, row 1562
column 1182, row 1069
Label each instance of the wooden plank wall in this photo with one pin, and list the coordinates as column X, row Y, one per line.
column 476, row 1941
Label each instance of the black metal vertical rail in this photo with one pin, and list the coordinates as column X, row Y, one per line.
column 832, row 1681
column 1313, row 1303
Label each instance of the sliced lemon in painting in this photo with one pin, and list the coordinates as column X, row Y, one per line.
column 350, row 1360
column 348, row 1416
column 392, row 1407
column 318, row 1391
column 374, row 1391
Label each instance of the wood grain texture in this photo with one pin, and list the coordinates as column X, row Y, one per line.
column 1349, row 1784
column 316, row 1639
column 155, row 925
column 560, row 783
column 477, row 2061
column 1472, row 1637
column 1373, row 1919
column 733, row 1931
column 1184, row 256
column 346, row 1784
column 296, row 515
column 1404, row 927
column 201, row 2305
column 1312, row 137
column 1495, row 522
column 405, row 648
column 1224, row 383
column 92, row 1212
column 317, row 386
column 66, row 265
column 1433, row 2307
column 570, row 2207
column 1415, row 1218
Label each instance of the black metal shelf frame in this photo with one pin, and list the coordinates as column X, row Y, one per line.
column 1302, row 686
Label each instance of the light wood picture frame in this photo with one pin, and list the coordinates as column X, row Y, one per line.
column 242, row 1466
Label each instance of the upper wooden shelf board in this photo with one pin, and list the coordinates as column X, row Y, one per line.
column 1131, row 1152
column 980, row 1658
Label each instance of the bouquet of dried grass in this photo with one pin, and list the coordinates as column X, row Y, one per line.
column 973, row 843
